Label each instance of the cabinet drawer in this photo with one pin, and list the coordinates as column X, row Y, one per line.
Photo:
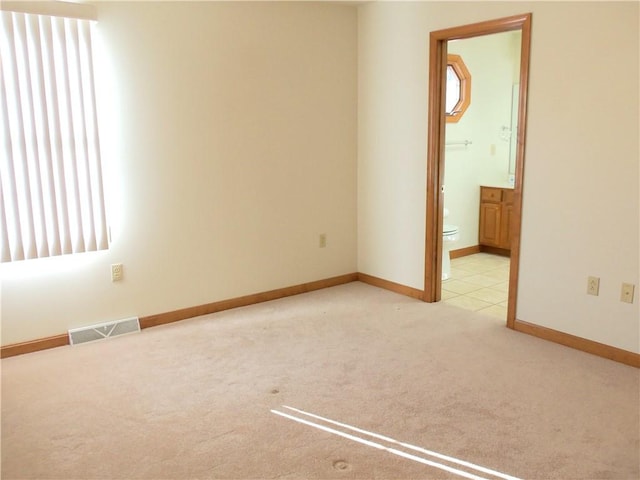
column 489, row 194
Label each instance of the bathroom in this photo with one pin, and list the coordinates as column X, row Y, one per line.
column 480, row 151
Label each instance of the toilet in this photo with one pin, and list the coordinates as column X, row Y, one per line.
column 449, row 236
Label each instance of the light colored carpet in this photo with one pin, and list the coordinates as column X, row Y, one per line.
column 193, row 399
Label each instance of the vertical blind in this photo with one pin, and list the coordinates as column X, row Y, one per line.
column 51, row 177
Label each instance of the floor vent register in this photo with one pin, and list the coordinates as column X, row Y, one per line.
column 103, row 330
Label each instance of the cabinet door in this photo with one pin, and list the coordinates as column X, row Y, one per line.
column 505, row 226
column 489, row 224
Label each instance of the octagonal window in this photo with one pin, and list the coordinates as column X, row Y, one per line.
column 458, row 88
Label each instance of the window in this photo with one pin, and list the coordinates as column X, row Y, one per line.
column 458, row 90
column 51, row 189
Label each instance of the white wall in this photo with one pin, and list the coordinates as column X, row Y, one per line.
column 229, row 140
column 230, row 143
column 581, row 214
column 492, row 63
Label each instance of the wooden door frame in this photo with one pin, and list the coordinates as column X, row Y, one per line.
column 435, row 149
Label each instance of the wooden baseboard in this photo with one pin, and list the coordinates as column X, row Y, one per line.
column 34, row 345
column 589, row 346
column 190, row 312
column 463, row 252
column 579, row 343
column 391, row 286
column 495, row 250
column 162, row 318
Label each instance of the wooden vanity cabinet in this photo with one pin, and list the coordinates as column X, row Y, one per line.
column 496, row 209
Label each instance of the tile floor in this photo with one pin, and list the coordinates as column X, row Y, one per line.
column 479, row 282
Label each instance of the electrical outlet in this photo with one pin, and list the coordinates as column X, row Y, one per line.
column 322, row 240
column 593, row 286
column 626, row 295
column 116, row 272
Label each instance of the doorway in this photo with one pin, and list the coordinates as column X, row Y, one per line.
column 436, row 145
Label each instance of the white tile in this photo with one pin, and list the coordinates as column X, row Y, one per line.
column 491, row 262
column 482, row 280
column 475, row 267
column 499, row 274
column 462, row 260
column 459, row 286
column 501, row 287
column 446, row 294
column 460, row 272
column 468, row 303
column 489, row 295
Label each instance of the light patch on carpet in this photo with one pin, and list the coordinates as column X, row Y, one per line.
column 395, row 451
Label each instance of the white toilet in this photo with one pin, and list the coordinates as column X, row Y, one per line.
column 449, row 236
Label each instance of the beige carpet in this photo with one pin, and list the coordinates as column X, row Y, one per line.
column 196, row 399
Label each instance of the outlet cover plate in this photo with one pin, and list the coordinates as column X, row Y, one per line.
column 117, row 272
column 626, row 295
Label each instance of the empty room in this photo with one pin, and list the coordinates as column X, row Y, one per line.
column 257, row 240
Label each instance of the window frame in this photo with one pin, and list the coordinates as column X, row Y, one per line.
column 460, row 69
